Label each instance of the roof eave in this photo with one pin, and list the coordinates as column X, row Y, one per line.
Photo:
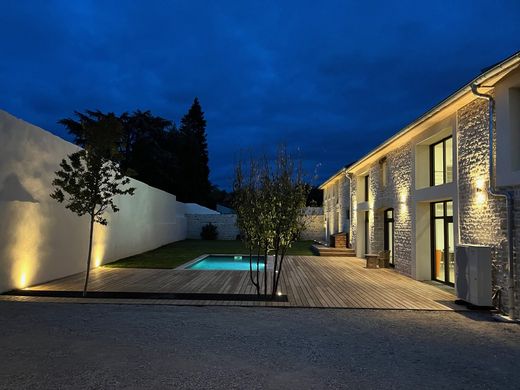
column 503, row 67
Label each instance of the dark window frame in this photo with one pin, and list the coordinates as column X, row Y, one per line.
column 366, row 179
column 447, row 219
column 432, row 161
column 386, row 245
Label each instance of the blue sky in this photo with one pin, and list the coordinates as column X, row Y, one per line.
column 331, row 79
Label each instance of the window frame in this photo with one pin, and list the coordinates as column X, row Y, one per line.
column 432, row 161
column 383, row 164
column 366, row 187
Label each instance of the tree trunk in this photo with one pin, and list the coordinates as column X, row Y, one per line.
column 251, row 270
column 257, row 271
column 89, row 254
column 265, row 272
column 279, row 273
column 275, row 272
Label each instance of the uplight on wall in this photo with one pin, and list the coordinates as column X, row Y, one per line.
column 403, row 198
column 23, row 280
column 480, row 191
column 97, row 261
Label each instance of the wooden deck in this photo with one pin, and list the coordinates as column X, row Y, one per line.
column 308, row 281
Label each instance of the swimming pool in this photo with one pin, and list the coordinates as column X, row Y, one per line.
column 225, row 262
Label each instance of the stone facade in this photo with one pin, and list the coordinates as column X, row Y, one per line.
column 336, row 205
column 390, row 195
column 483, row 221
column 479, row 218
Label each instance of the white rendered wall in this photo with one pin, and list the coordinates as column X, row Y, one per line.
column 40, row 240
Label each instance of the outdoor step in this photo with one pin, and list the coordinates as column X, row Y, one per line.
column 322, row 250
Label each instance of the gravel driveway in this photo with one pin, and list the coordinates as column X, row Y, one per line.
column 83, row 346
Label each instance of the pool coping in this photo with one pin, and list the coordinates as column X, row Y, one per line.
column 185, row 266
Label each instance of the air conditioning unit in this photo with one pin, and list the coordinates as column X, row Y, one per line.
column 473, row 274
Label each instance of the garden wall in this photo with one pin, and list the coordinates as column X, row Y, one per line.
column 225, row 223
column 40, row 240
column 227, row 229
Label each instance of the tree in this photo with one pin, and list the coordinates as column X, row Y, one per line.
column 145, row 148
column 315, row 197
column 269, row 200
column 90, row 178
column 192, row 153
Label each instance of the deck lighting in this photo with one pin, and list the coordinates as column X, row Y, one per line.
column 237, row 258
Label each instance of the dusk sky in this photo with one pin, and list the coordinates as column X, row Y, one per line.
column 331, row 79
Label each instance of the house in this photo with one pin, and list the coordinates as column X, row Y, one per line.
column 429, row 189
column 336, row 203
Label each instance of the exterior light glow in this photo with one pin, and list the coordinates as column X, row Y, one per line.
column 23, row 280
column 480, row 186
column 279, row 293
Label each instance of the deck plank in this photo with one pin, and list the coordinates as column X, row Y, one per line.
column 308, row 281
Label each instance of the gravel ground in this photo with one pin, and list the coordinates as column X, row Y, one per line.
column 83, row 346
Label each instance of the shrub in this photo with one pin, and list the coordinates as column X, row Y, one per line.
column 209, row 232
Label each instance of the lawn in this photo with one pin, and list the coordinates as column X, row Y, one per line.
column 177, row 253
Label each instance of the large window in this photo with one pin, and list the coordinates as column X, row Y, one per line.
column 366, row 178
column 441, row 162
column 384, row 171
column 389, row 233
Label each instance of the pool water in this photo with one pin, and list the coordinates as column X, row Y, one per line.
column 229, row 263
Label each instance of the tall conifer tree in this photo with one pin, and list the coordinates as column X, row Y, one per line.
column 193, row 174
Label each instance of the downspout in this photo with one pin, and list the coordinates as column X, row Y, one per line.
column 507, row 195
column 349, row 177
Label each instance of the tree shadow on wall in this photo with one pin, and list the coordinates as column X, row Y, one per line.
column 12, row 190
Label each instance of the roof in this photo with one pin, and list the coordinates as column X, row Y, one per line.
column 342, row 171
column 490, row 76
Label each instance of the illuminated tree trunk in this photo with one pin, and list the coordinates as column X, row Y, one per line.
column 89, row 254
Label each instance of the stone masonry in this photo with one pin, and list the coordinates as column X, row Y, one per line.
column 482, row 223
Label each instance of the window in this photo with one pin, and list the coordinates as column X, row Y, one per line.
column 366, row 187
column 384, row 171
column 389, row 234
column 441, row 162
column 337, row 193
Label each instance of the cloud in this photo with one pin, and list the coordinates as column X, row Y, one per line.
column 331, row 79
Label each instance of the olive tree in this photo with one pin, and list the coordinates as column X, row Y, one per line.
column 89, row 179
column 269, row 199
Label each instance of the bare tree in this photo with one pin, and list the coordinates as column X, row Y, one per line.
column 270, row 204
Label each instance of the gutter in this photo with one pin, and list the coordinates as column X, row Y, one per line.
column 500, row 193
column 332, row 178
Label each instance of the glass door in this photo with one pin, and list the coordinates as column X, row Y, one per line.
column 389, row 233
column 367, row 246
column 443, row 254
